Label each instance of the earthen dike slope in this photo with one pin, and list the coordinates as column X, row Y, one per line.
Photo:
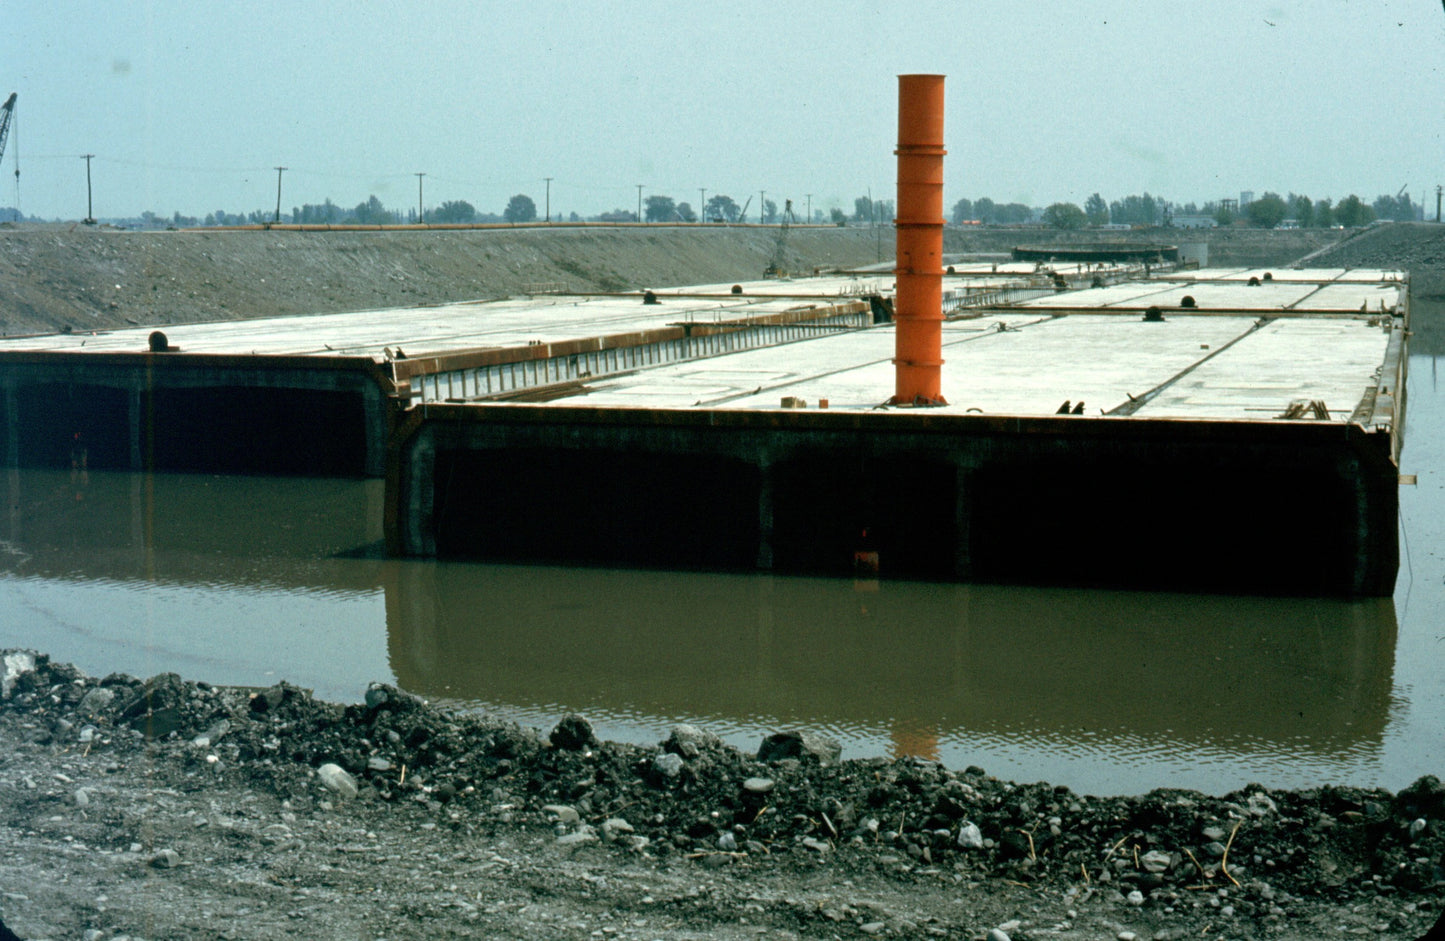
column 80, row 278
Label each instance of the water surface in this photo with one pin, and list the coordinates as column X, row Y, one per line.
column 249, row 580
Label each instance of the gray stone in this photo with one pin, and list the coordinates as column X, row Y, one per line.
column 82, row 797
column 997, row 934
column 799, row 744
column 1156, row 861
column 166, row 859
column 1214, row 849
column 573, row 733
column 758, row 786
column 667, row 766
column 970, row 837
column 727, row 842
column 1216, row 834
column 582, row 836
column 876, row 927
column 268, row 700
column 816, row 845
column 564, row 815
column 1135, row 897
column 689, row 741
column 377, row 763
column 214, row 734
column 338, row 779
column 96, row 701
column 615, row 828
column 1418, row 827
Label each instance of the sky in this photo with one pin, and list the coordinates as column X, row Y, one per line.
column 191, row 106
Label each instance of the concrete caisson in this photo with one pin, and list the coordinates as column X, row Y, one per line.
column 1221, row 506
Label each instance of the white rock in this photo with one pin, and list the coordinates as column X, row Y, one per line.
column 1135, row 897
column 166, row 859
column 582, row 836
column 338, row 779
column 615, row 828
column 970, row 837
column 1155, row 861
column 14, row 663
column 564, row 815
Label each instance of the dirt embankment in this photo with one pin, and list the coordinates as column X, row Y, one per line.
column 86, row 279
column 73, row 277
column 172, row 809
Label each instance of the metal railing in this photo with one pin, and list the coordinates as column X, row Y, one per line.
column 477, row 383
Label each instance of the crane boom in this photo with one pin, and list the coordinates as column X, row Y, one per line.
column 6, row 111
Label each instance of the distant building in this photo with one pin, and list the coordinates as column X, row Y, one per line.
column 1245, row 198
column 1194, row 222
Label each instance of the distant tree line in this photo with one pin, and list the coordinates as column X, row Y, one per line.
column 1268, row 211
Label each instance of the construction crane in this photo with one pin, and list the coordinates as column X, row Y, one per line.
column 775, row 267
column 7, row 111
column 743, row 216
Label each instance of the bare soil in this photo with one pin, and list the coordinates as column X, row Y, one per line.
column 171, row 809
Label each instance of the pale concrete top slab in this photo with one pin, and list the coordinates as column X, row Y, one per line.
column 1233, row 293
column 1286, row 274
column 1028, row 368
column 1370, row 297
column 825, row 365
column 419, row 330
column 1334, row 361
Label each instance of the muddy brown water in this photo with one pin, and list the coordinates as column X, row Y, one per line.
column 250, row 580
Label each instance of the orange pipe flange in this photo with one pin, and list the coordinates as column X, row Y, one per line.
column 918, row 308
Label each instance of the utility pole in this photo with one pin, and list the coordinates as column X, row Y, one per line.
column 420, row 216
column 639, row 202
column 89, row 210
column 762, row 206
column 549, row 197
column 279, row 171
column 1438, row 191
column 701, row 204
column 810, row 209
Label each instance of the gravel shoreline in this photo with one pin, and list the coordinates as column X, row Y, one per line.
column 167, row 809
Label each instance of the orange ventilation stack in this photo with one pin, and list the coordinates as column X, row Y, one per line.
column 918, row 307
